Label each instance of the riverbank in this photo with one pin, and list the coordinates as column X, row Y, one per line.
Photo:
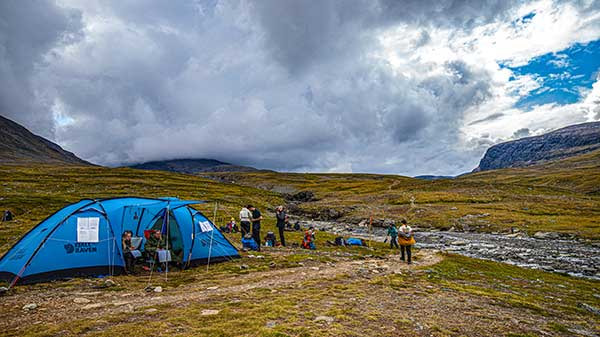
column 566, row 256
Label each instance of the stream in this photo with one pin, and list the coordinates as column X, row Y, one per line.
column 570, row 257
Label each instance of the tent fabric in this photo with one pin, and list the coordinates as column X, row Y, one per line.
column 84, row 238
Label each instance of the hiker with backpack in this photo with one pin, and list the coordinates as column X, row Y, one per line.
column 281, row 222
column 406, row 240
column 393, row 234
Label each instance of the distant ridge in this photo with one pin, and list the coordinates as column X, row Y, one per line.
column 563, row 143
column 193, row 166
column 432, row 177
column 19, row 146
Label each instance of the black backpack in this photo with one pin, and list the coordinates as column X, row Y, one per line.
column 7, row 216
column 339, row 241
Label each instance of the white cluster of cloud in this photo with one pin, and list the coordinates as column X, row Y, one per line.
column 408, row 87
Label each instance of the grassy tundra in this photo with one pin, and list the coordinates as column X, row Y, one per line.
column 329, row 292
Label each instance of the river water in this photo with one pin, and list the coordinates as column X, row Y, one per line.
column 572, row 257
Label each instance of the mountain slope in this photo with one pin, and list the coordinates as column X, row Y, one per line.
column 18, row 145
column 192, row 166
column 580, row 174
column 559, row 144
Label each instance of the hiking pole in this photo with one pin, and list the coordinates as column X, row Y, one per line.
column 212, row 232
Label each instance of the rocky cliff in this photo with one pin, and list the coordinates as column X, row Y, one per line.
column 562, row 143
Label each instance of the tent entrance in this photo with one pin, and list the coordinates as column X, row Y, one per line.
column 175, row 239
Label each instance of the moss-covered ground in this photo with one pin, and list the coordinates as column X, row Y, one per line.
column 334, row 291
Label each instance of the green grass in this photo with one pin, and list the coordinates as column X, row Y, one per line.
column 458, row 296
column 482, row 296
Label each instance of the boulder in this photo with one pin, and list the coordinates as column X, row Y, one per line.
column 109, row 283
column 325, row 319
column 546, row 235
column 209, row 312
column 30, row 306
column 81, row 300
column 589, row 308
column 92, row 306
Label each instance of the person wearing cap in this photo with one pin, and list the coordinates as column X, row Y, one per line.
column 231, row 226
column 281, row 221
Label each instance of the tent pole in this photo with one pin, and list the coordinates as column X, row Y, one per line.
column 212, row 232
column 167, row 245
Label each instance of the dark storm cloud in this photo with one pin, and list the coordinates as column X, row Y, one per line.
column 28, row 30
column 285, row 85
column 300, row 34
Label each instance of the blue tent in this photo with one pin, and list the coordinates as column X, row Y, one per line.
column 84, row 238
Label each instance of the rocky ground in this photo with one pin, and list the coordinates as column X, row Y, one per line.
column 339, row 292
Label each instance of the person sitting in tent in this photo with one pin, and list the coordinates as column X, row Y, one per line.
column 309, row 239
column 249, row 243
column 406, row 240
column 127, row 252
column 154, row 243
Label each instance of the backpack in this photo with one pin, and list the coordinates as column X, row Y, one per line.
column 339, row 241
column 270, row 239
column 354, row 242
column 249, row 243
column 7, row 216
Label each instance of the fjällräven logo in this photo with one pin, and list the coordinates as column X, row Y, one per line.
column 81, row 247
column 69, row 248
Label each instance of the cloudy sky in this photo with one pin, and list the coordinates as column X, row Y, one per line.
column 408, row 87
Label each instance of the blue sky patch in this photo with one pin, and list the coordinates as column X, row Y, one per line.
column 562, row 75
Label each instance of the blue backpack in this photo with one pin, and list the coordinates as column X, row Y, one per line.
column 354, row 242
column 249, row 243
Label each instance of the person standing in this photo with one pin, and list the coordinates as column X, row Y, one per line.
column 406, row 240
column 245, row 217
column 393, row 234
column 256, row 217
column 281, row 222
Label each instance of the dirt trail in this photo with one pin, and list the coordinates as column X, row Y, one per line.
column 58, row 305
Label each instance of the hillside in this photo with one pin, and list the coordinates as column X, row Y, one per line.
column 192, row 166
column 289, row 291
column 563, row 143
column 18, row 146
column 562, row 196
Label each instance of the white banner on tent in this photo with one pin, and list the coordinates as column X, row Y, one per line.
column 87, row 229
column 205, row 226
